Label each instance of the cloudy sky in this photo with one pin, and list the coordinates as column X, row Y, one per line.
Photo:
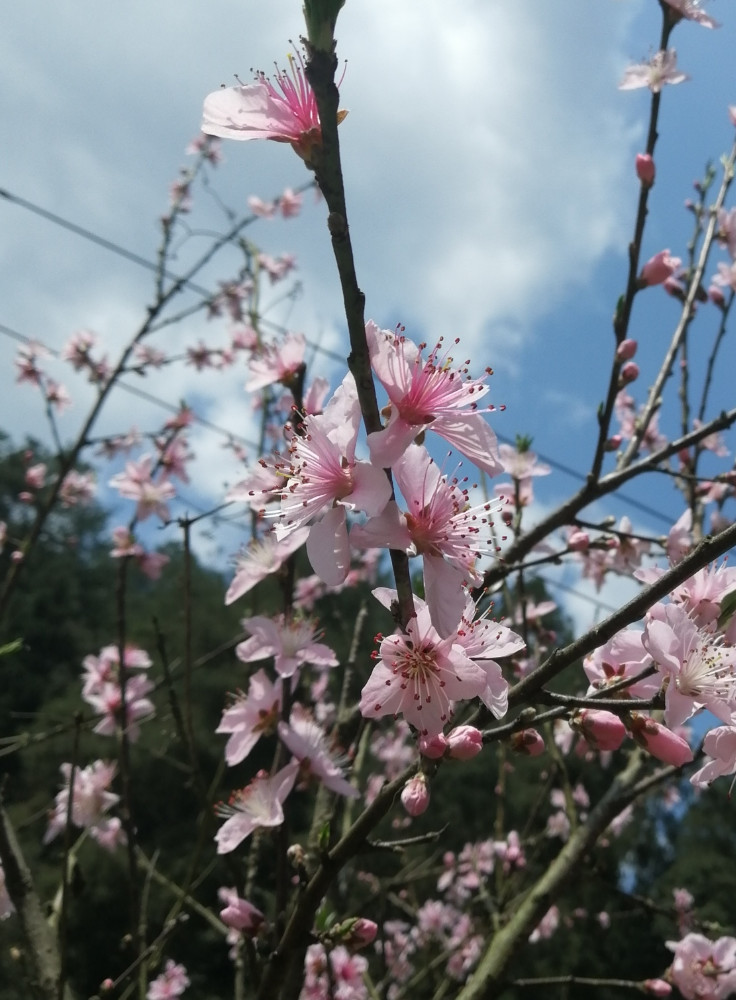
column 488, row 161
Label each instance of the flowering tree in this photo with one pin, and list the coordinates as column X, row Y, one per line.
column 330, row 884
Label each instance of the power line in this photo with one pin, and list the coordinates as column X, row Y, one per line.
column 151, row 266
column 136, row 258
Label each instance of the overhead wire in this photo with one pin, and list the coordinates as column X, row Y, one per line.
column 136, row 258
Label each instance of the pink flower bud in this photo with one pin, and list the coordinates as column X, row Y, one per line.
column 645, row 169
column 614, row 442
column 629, row 373
column 363, row 933
column 432, row 747
column 626, row 350
column 657, row 987
column 659, row 741
column 602, row 730
column 732, row 114
column 716, row 296
column 415, row 795
column 658, row 268
column 527, row 742
column 465, row 742
column 578, row 540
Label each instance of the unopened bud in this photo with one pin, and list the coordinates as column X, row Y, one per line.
column 355, row 933
column 626, row 349
column 602, row 730
column 465, row 742
column 629, row 373
column 578, row 540
column 527, row 742
column 657, row 987
column 415, row 795
column 659, row 741
column 614, row 442
column 432, row 747
column 645, row 169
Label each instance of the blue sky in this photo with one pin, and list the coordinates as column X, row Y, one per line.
column 489, row 166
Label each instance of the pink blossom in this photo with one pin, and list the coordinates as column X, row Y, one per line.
column 107, row 702
column 419, row 675
column 284, row 112
column 485, row 640
column 726, row 277
column 263, row 209
column 257, row 805
column 428, row 395
column 136, row 483
column 250, row 717
column 206, row 146
column 661, row 69
column 291, row 643
column 440, row 525
column 277, row 362
column 679, row 538
column 699, row 667
column 57, row 395
column 36, row 476
column 720, row 745
column 415, row 795
column 262, row 557
column 239, row 915
column 309, row 744
column 691, row 11
column 77, row 488
column 172, row 982
column 546, row 926
column 727, row 229
column 290, row 203
column 703, row 969
column 658, row 268
column 91, row 799
column 27, row 363
column 325, row 481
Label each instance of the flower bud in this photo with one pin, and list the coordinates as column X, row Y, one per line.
column 464, row 742
column 578, row 540
column 659, row 741
column 628, row 373
column 602, row 730
column 716, row 296
column 432, row 747
column 527, row 742
column 614, row 442
column 361, row 934
column 415, row 795
column 626, row 350
column 658, row 268
column 645, row 169
column 657, row 987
